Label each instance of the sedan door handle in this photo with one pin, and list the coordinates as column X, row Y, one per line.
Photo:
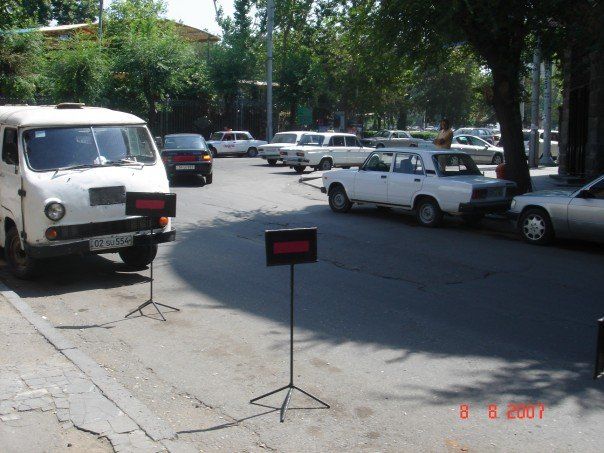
column 383, row 176
column 417, row 180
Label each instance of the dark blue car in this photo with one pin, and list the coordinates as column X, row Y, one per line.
column 187, row 154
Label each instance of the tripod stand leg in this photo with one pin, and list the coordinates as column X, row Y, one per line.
column 313, row 397
column 269, row 393
column 285, row 405
column 139, row 309
column 167, row 306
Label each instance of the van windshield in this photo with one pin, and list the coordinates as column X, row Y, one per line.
column 61, row 148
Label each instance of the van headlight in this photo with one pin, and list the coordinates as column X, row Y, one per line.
column 54, row 211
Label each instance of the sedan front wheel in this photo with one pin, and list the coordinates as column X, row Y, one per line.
column 536, row 227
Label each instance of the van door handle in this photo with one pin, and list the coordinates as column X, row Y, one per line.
column 384, row 176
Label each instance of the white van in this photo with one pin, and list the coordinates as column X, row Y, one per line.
column 64, row 174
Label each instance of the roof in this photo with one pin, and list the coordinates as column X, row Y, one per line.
column 293, row 132
column 329, row 134
column 183, row 134
column 50, row 116
column 420, row 151
column 232, row 132
column 58, row 31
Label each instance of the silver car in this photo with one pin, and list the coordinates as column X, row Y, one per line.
column 544, row 215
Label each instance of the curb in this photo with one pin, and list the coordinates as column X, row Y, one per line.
column 156, row 428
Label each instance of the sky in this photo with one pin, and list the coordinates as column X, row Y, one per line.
column 197, row 13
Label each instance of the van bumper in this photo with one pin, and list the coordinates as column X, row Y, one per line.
column 82, row 247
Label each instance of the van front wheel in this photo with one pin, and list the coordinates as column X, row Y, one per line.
column 138, row 256
column 19, row 262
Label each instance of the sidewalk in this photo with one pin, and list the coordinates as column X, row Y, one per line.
column 47, row 403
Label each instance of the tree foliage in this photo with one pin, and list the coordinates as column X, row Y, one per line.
column 78, row 71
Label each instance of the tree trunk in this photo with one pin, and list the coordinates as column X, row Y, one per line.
column 292, row 115
column 506, row 96
column 401, row 122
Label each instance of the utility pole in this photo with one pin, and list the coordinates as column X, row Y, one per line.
column 100, row 22
column 270, row 23
column 534, row 140
column 546, row 159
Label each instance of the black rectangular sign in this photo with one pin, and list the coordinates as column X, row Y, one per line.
column 295, row 246
column 599, row 370
column 151, row 204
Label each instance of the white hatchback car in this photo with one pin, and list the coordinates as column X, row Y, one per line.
column 429, row 183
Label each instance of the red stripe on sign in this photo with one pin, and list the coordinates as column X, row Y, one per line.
column 150, row 204
column 291, row 247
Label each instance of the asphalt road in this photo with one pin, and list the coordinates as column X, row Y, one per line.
column 397, row 326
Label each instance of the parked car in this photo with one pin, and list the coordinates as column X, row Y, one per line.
column 481, row 151
column 481, row 132
column 240, row 143
column 526, row 133
column 270, row 151
column 65, row 173
column 547, row 214
column 187, row 154
column 325, row 150
column 391, row 139
column 429, row 183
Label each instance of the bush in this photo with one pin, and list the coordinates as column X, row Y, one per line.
column 425, row 135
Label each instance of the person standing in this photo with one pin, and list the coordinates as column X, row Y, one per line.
column 445, row 135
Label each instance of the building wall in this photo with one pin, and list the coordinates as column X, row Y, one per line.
column 582, row 70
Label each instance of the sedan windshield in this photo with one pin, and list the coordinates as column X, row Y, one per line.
column 284, row 138
column 312, row 139
column 58, row 148
column 185, row 142
column 455, row 165
column 383, row 134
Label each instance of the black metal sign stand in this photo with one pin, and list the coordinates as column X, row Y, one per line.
column 291, row 386
column 151, row 301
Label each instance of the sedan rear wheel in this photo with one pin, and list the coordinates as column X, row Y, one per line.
column 536, row 227
column 325, row 165
column 497, row 159
column 428, row 213
column 272, row 162
column 252, row 152
column 299, row 169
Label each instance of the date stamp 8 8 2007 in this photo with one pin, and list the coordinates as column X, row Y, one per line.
column 514, row 411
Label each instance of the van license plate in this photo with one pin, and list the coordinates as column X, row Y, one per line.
column 111, row 242
column 185, row 167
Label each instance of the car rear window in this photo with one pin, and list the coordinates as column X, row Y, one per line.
column 455, row 165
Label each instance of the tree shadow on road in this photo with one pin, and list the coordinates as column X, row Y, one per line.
column 451, row 293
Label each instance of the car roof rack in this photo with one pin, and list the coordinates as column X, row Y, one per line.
column 70, row 105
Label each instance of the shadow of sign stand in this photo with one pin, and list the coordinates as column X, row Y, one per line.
column 155, row 205
column 599, row 369
column 290, row 247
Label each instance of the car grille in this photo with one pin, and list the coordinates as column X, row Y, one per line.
column 101, row 196
column 86, row 230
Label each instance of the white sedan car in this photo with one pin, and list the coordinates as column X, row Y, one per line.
column 270, row 151
column 543, row 215
column 429, row 183
column 234, row 143
column 324, row 150
column 481, row 151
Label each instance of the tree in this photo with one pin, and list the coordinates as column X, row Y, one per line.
column 77, row 71
column 495, row 30
column 150, row 59
column 20, row 59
